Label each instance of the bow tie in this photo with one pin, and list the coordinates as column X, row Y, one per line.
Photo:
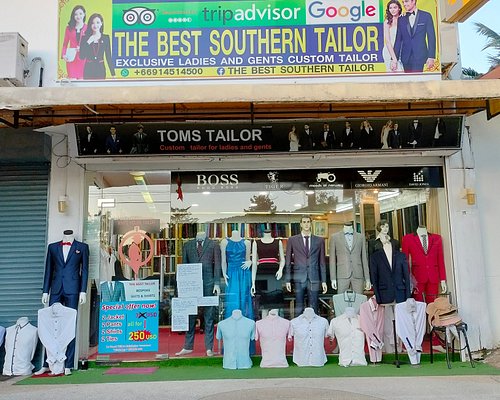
column 412, row 13
column 348, row 233
column 65, row 243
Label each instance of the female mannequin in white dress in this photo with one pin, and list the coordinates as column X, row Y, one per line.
column 392, row 13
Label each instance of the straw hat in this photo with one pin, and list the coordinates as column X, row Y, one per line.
column 442, row 313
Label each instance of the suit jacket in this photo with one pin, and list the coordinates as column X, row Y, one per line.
column 395, row 139
column 209, row 259
column 307, row 142
column 312, row 265
column 417, row 44
column 118, row 293
column 415, row 133
column 390, row 284
column 348, row 141
column 367, row 139
column 345, row 263
column 425, row 267
column 328, row 143
column 114, row 146
column 89, row 146
column 71, row 275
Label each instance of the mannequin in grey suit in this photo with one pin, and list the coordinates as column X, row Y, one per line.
column 348, row 261
column 210, row 258
column 309, row 266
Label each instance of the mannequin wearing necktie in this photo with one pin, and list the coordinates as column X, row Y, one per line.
column 426, row 259
column 348, row 261
column 307, row 253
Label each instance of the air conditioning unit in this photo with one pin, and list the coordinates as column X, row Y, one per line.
column 14, row 55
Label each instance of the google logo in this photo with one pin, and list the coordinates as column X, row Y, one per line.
column 317, row 9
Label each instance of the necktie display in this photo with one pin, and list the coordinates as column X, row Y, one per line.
column 424, row 243
column 199, row 247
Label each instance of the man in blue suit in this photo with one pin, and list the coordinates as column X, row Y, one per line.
column 307, row 254
column 415, row 41
column 66, row 275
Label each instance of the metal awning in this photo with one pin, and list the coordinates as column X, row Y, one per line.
column 39, row 107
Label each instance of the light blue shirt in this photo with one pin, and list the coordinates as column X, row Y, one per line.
column 236, row 334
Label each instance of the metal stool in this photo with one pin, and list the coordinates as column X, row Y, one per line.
column 461, row 327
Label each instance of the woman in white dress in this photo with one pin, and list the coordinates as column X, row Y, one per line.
column 392, row 13
column 384, row 134
column 293, row 137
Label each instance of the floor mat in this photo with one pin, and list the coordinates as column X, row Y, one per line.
column 131, row 371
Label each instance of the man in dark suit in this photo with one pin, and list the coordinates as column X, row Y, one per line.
column 415, row 134
column 348, row 139
column 65, row 279
column 415, row 39
column 326, row 139
column 395, row 138
column 307, row 253
column 113, row 142
column 306, row 140
column 89, row 144
column 207, row 252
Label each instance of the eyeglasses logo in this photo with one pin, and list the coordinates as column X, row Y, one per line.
column 139, row 15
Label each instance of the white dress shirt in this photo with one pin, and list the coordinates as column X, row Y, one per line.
column 56, row 327
column 309, row 340
column 350, row 338
column 20, row 346
column 410, row 327
column 272, row 332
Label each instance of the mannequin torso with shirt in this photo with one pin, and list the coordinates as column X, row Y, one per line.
column 20, row 344
column 307, row 253
column 267, row 251
column 348, row 261
column 236, row 263
column 424, row 251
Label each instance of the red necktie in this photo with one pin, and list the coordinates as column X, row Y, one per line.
column 65, row 243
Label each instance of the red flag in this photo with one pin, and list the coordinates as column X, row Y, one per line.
column 180, row 196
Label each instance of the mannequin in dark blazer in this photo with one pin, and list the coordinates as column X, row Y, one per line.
column 65, row 281
column 389, row 275
column 326, row 138
column 210, row 258
column 395, row 137
column 348, row 138
column 309, row 267
column 415, row 133
column 307, row 141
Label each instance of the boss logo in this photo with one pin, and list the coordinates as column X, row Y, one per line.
column 216, row 180
column 139, row 15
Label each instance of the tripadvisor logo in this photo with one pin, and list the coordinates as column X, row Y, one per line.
column 252, row 13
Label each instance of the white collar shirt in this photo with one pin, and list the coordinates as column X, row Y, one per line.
column 56, row 327
column 309, row 340
column 20, row 345
column 272, row 333
column 350, row 338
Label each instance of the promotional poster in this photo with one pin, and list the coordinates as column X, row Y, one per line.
column 168, row 40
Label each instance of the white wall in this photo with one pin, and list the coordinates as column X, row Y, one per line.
column 485, row 139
